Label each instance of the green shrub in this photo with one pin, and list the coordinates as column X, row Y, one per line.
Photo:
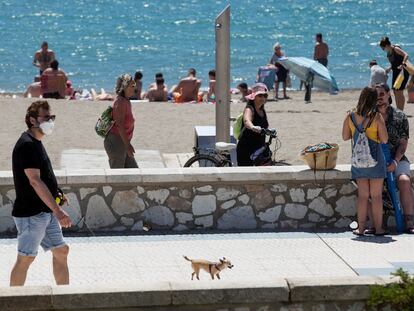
column 399, row 296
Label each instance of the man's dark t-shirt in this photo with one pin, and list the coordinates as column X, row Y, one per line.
column 397, row 128
column 30, row 153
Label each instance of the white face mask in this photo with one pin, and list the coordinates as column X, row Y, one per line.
column 47, row 127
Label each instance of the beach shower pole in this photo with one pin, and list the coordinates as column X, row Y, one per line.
column 223, row 76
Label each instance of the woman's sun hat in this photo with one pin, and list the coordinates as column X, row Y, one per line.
column 258, row 88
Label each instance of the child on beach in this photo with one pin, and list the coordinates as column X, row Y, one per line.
column 366, row 120
column 244, row 90
column 211, row 95
column 138, row 85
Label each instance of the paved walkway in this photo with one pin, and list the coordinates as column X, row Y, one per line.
column 262, row 256
column 89, row 158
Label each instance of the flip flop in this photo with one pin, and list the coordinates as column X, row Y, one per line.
column 356, row 232
column 381, row 234
column 409, row 231
column 370, row 231
column 286, row 97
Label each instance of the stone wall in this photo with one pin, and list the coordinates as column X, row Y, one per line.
column 276, row 198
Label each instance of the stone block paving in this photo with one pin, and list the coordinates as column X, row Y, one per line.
column 258, row 256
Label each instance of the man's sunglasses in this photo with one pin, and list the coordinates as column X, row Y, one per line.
column 262, row 95
column 48, row 117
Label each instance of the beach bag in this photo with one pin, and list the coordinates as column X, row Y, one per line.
column 321, row 156
column 361, row 153
column 104, row 123
column 238, row 126
column 399, row 80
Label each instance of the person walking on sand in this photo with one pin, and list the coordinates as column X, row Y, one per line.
column 43, row 57
column 37, row 216
column 321, row 50
column 370, row 174
column 378, row 74
column 281, row 72
column 397, row 58
column 118, row 141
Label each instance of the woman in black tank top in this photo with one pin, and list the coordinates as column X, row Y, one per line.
column 254, row 119
column 397, row 58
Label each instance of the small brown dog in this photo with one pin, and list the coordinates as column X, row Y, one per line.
column 214, row 268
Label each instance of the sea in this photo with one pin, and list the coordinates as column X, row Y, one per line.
column 97, row 40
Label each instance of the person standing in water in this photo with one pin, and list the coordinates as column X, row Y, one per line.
column 43, row 57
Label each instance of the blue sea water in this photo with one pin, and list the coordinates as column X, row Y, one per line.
column 95, row 41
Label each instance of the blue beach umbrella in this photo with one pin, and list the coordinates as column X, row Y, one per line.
column 302, row 66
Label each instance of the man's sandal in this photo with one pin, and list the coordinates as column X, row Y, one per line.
column 409, row 231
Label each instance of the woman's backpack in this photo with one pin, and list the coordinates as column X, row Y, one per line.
column 238, row 126
column 361, row 153
column 104, row 123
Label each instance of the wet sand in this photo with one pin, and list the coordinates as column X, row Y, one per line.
column 169, row 127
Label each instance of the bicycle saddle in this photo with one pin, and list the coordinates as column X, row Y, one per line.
column 225, row 146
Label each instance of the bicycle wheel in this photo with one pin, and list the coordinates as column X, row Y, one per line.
column 202, row 160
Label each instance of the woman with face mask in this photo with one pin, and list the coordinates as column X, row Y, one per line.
column 118, row 141
column 398, row 59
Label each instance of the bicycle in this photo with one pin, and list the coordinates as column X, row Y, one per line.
column 220, row 155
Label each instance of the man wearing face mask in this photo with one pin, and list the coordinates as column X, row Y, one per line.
column 37, row 216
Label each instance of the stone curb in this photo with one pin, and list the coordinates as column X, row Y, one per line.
column 169, row 294
column 332, row 289
column 190, row 175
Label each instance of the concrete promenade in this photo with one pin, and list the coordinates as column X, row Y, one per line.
column 257, row 257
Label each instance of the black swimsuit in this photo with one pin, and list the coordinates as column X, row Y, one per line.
column 396, row 60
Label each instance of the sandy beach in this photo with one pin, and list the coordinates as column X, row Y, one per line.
column 169, row 127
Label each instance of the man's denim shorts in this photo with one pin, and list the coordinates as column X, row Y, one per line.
column 41, row 229
column 403, row 168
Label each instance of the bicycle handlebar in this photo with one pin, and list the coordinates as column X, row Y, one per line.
column 269, row 132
